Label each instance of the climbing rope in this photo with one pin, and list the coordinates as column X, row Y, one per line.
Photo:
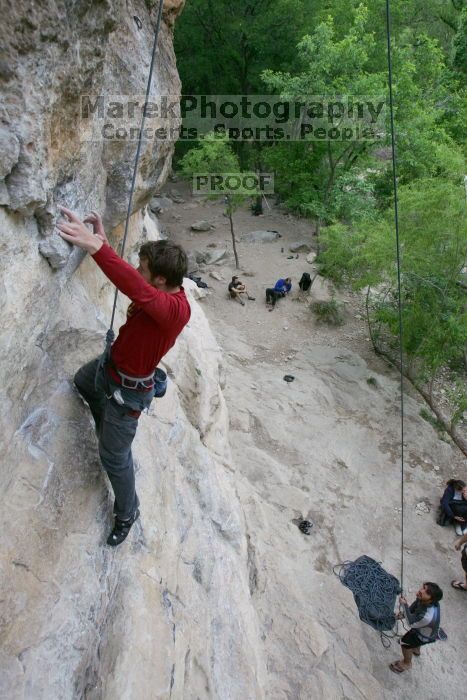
column 110, row 335
column 374, row 589
column 374, row 592
column 399, row 285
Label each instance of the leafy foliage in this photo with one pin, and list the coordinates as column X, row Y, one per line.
column 212, row 155
column 329, row 312
column 330, row 47
column 433, row 232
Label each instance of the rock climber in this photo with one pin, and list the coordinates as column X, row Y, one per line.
column 280, row 289
column 461, row 544
column 423, row 617
column 237, row 288
column 158, row 312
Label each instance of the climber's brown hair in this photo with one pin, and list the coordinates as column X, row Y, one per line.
column 166, row 259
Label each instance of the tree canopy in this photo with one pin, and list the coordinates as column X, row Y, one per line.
column 292, row 48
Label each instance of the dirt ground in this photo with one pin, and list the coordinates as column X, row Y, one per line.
column 329, row 442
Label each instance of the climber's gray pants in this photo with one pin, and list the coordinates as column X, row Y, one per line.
column 115, row 428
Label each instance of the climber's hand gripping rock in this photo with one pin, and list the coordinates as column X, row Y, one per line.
column 75, row 232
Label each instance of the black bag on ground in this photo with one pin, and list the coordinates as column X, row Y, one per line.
column 305, row 282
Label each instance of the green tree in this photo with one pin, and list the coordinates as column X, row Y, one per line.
column 331, row 66
column 213, row 155
column 223, row 46
column 433, row 233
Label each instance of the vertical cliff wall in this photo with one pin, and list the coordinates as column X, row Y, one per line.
column 216, row 593
column 160, row 615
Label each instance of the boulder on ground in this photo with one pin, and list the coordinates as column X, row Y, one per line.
column 300, row 247
column 322, row 289
column 261, row 236
column 311, row 258
column 216, row 276
column 201, row 226
column 159, row 204
column 192, row 262
column 201, row 256
column 214, row 256
column 176, row 197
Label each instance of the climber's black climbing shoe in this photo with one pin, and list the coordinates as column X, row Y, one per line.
column 121, row 529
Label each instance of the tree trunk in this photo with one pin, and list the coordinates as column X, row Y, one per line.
column 370, row 329
column 237, row 264
column 451, row 430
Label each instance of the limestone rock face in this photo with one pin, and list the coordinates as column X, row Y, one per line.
column 57, row 58
column 169, row 614
column 170, row 610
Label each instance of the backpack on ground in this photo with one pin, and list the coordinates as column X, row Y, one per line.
column 305, row 282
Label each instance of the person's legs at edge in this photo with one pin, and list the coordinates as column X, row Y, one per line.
column 407, row 654
column 235, row 294
column 115, row 430
column 116, row 435
column 271, row 297
column 84, row 382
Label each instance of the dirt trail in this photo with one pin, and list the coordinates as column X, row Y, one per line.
column 325, row 447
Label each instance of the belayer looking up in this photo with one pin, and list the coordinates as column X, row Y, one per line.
column 125, row 386
column 423, row 617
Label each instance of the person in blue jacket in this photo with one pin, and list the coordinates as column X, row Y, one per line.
column 280, row 289
column 454, row 504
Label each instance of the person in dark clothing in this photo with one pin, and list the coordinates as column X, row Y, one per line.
column 237, row 288
column 125, row 386
column 454, row 504
column 280, row 290
column 461, row 544
column 423, row 617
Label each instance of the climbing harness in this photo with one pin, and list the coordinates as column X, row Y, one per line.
column 110, row 335
column 374, row 589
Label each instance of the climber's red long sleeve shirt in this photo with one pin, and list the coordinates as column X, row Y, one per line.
column 154, row 319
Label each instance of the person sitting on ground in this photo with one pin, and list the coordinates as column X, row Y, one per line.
column 237, row 288
column 461, row 544
column 453, row 504
column 280, row 289
column 423, row 617
column 283, row 285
